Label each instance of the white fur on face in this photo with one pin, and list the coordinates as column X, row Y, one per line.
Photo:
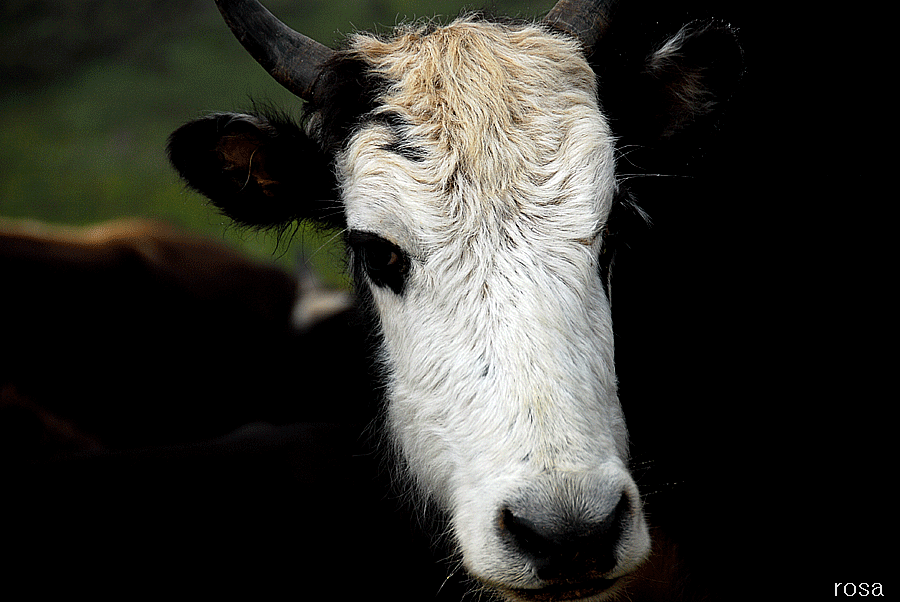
column 499, row 351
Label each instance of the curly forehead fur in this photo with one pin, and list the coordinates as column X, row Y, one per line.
column 489, row 113
column 475, row 90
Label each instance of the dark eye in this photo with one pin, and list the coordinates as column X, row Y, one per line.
column 381, row 260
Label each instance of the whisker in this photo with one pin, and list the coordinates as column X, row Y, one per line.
column 635, row 176
column 447, row 579
column 323, row 245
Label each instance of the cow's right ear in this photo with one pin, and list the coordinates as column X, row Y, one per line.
column 260, row 171
column 677, row 87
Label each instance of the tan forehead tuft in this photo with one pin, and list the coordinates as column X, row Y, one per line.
column 495, row 101
column 479, row 68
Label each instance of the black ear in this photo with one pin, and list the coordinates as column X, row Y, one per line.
column 260, row 171
column 679, row 85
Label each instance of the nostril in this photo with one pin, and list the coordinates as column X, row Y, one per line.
column 571, row 543
column 528, row 536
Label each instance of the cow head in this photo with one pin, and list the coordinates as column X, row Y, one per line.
column 473, row 170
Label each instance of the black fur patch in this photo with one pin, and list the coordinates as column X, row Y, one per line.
column 402, row 144
column 348, row 94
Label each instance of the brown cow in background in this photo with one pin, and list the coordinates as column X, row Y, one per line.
column 135, row 333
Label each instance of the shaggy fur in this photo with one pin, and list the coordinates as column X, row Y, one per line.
column 501, row 388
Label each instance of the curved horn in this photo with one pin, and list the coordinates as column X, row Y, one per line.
column 587, row 20
column 294, row 60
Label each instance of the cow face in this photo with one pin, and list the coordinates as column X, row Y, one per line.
column 474, row 176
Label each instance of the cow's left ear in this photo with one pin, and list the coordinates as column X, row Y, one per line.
column 260, row 171
column 683, row 80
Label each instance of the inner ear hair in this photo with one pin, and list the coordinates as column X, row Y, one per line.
column 692, row 72
column 679, row 86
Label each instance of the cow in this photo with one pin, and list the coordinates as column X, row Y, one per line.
column 472, row 168
column 115, row 341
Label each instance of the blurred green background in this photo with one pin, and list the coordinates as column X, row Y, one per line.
column 90, row 90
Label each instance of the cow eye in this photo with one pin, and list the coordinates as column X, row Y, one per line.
column 381, row 260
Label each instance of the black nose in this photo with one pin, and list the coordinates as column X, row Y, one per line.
column 567, row 545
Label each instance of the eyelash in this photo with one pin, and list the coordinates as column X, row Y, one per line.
column 383, row 262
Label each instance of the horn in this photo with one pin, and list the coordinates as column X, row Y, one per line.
column 294, row 60
column 586, row 20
